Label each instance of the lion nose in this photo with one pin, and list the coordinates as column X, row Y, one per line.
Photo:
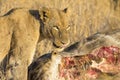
column 65, row 42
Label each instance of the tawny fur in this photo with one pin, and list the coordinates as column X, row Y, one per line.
column 21, row 29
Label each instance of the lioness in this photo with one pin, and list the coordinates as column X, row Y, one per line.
column 21, row 29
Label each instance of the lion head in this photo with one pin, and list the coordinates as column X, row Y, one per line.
column 55, row 26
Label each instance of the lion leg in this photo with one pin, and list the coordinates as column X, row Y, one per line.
column 5, row 40
column 18, row 63
column 23, row 49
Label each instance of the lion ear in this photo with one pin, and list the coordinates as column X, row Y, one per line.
column 65, row 10
column 35, row 13
column 44, row 12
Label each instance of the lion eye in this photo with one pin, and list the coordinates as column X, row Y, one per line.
column 68, row 28
column 56, row 28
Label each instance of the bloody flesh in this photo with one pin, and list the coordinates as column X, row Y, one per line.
column 105, row 59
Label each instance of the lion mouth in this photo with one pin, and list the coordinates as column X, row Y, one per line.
column 64, row 45
column 56, row 45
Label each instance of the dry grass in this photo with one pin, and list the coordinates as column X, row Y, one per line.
column 86, row 17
